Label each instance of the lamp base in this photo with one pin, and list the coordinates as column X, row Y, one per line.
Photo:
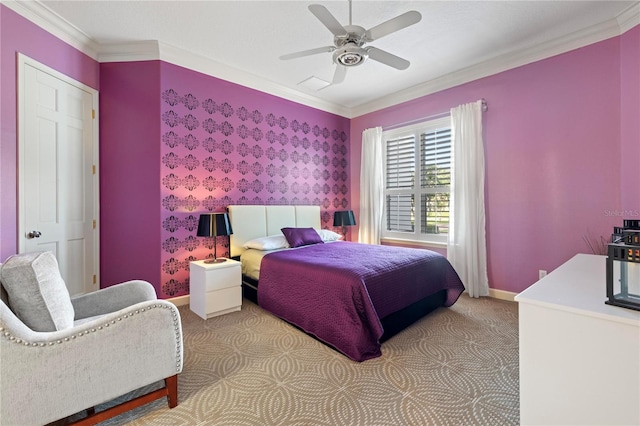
column 217, row 260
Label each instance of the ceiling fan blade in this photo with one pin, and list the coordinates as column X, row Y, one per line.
column 393, row 25
column 325, row 49
column 339, row 75
column 327, row 19
column 388, row 59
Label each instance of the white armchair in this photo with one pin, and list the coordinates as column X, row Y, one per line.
column 122, row 338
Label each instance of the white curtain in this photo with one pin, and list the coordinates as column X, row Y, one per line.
column 371, row 187
column 466, row 247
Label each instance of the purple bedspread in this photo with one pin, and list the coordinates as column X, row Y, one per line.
column 339, row 291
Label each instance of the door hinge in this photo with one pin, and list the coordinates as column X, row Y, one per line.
column 94, row 224
column 93, row 113
column 95, row 279
column 93, row 169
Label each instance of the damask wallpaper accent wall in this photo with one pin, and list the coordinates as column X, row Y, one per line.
column 220, row 148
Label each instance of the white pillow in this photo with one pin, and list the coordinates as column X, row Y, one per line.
column 272, row 242
column 37, row 293
column 327, row 235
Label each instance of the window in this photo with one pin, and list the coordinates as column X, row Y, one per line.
column 417, row 181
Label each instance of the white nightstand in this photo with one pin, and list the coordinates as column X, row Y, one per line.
column 215, row 288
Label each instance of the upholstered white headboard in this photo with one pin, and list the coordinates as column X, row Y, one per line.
column 249, row 222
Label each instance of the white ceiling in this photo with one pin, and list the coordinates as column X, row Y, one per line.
column 454, row 41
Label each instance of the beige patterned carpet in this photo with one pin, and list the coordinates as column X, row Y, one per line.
column 457, row 366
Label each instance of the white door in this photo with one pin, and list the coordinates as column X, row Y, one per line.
column 57, row 180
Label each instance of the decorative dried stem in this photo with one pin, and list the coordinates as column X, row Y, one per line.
column 597, row 245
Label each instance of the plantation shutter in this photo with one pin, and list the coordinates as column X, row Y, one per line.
column 401, row 162
column 400, row 213
column 435, row 171
column 418, row 172
column 400, row 175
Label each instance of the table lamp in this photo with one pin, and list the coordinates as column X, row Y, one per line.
column 214, row 225
column 343, row 218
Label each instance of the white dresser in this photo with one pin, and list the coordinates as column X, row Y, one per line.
column 215, row 288
column 579, row 358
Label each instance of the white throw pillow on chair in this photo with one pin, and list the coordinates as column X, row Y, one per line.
column 37, row 293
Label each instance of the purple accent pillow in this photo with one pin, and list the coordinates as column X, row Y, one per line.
column 297, row 237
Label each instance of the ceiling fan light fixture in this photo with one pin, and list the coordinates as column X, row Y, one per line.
column 349, row 42
column 350, row 55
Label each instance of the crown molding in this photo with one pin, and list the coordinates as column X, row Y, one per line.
column 41, row 15
column 147, row 50
column 629, row 18
column 216, row 69
column 53, row 23
column 496, row 65
column 45, row 18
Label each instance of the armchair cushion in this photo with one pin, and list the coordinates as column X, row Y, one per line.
column 37, row 293
column 112, row 299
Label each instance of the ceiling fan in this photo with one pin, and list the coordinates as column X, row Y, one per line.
column 349, row 41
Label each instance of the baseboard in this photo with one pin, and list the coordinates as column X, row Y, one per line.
column 502, row 295
column 180, row 300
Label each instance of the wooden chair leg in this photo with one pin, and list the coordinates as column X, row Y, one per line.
column 170, row 390
column 171, row 383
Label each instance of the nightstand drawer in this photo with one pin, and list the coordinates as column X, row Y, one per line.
column 223, row 278
column 223, row 301
column 218, row 277
column 215, row 288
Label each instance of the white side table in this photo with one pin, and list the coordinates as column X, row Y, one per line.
column 215, row 288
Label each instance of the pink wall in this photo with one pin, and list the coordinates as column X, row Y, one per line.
column 20, row 35
column 225, row 144
column 130, row 172
column 561, row 149
column 176, row 143
column 552, row 144
column 630, row 122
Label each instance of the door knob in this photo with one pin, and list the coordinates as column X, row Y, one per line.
column 34, row 234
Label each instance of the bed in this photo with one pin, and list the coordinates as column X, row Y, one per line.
column 350, row 296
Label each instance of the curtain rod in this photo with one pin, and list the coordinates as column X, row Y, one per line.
column 485, row 108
